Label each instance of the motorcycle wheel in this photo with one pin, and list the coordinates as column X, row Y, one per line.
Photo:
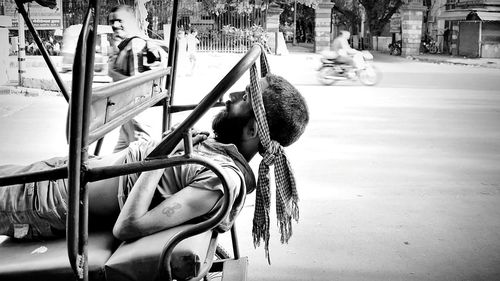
column 323, row 75
column 396, row 52
column 369, row 76
column 433, row 49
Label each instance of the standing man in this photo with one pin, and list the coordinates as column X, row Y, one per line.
column 192, row 46
column 129, row 44
column 181, row 52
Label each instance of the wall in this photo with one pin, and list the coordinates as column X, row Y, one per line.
column 4, row 55
column 381, row 43
column 491, row 50
column 490, row 38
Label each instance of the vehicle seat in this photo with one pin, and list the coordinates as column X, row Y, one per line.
column 137, row 260
column 48, row 260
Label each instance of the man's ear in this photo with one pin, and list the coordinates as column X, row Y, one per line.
column 250, row 130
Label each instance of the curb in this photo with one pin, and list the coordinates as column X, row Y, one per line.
column 450, row 61
column 28, row 92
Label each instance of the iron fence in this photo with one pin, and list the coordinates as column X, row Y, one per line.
column 230, row 31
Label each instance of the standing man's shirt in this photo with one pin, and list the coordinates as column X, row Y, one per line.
column 192, row 43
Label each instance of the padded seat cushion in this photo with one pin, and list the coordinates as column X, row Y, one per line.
column 48, row 260
column 138, row 260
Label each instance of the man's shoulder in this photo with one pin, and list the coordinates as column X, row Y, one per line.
column 132, row 43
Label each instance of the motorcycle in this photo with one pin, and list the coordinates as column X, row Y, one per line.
column 332, row 71
column 430, row 46
column 395, row 48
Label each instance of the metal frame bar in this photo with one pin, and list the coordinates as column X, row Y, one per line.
column 77, row 217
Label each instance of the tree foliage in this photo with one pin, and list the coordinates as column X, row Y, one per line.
column 347, row 13
column 379, row 13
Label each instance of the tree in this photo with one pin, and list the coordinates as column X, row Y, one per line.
column 348, row 13
column 304, row 20
column 379, row 13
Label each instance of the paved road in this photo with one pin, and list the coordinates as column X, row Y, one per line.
column 398, row 182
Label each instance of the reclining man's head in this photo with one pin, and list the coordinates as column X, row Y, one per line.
column 286, row 113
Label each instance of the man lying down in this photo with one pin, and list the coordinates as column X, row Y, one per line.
column 145, row 203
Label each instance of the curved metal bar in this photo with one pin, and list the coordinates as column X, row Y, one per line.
column 83, row 227
column 225, row 84
column 42, row 49
column 207, row 264
column 164, row 270
column 75, row 147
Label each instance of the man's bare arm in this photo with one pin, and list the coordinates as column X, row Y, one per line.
column 134, row 222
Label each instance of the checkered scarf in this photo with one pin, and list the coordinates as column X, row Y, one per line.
column 274, row 154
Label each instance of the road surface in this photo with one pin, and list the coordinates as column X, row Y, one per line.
column 400, row 181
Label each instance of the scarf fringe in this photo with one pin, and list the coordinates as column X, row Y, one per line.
column 285, row 222
column 262, row 232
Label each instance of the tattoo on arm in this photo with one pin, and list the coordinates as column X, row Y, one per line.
column 170, row 210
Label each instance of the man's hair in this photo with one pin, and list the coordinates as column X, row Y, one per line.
column 286, row 110
column 126, row 8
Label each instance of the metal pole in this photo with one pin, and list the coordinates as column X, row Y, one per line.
column 42, row 50
column 294, row 22
column 21, row 54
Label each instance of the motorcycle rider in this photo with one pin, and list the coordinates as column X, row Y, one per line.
column 342, row 52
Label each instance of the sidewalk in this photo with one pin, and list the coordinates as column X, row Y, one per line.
column 458, row 60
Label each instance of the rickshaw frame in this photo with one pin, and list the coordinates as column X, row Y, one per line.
column 81, row 136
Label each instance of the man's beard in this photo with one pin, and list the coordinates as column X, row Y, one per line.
column 228, row 129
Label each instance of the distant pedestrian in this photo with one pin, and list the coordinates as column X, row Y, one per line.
column 181, row 52
column 192, row 47
column 57, row 48
column 446, row 41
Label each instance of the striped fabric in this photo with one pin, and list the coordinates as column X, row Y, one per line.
column 286, row 191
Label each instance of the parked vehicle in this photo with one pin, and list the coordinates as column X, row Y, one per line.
column 103, row 48
column 430, row 46
column 332, row 71
column 395, row 48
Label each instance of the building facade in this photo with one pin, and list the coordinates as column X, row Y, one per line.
column 467, row 27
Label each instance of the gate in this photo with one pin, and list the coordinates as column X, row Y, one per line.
column 230, row 30
column 469, row 38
